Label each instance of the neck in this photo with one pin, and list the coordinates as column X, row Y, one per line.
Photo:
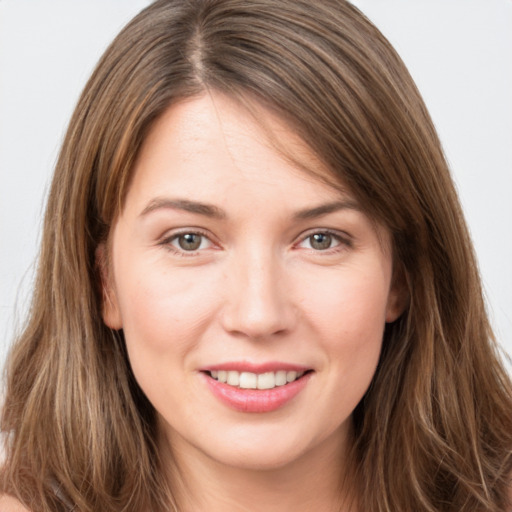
column 310, row 483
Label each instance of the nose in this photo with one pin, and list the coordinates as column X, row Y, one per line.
column 258, row 303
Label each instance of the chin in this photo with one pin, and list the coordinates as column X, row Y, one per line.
column 266, row 459
column 271, row 449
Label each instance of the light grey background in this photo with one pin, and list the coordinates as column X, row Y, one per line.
column 458, row 51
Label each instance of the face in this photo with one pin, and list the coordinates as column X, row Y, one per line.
column 252, row 296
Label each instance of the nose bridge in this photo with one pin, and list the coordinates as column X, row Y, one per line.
column 257, row 303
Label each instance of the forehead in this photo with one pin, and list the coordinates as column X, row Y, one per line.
column 203, row 142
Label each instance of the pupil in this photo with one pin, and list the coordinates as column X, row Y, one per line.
column 321, row 241
column 189, row 241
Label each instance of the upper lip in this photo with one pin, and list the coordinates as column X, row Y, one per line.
column 246, row 366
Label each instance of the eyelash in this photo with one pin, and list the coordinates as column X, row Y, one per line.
column 167, row 242
column 343, row 241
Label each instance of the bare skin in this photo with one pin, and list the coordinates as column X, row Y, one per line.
column 10, row 504
column 263, row 490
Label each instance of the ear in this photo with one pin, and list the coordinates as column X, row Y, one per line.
column 398, row 297
column 109, row 303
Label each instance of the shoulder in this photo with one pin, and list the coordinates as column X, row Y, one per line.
column 10, row 504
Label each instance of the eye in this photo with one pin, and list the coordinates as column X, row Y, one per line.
column 321, row 241
column 189, row 242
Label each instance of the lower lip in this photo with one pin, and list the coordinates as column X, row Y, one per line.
column 256, row 400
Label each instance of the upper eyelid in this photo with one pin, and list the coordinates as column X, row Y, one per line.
column 170, row 234
column 341, row 235
column 168, row 237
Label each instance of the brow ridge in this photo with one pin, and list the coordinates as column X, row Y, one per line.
column 208, row 210
column 213, row 211
column 325, row 209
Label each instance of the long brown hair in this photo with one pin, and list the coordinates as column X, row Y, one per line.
column 433, row 432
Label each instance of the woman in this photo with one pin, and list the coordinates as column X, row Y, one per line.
column 256, row 290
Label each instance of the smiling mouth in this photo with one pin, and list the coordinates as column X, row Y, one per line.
column 249, row 380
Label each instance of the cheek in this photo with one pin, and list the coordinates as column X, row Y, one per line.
column 163, row 309
column 164, row 315
column 348, row 314
column 348, row 304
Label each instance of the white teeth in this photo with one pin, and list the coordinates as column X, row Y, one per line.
column 233, row 378
column 280, row 378
column 291, row 376
column 266, row 380
column 249, row 380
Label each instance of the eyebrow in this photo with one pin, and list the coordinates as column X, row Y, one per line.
column 212, row 211
column 208, row 210
column 325, row 209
